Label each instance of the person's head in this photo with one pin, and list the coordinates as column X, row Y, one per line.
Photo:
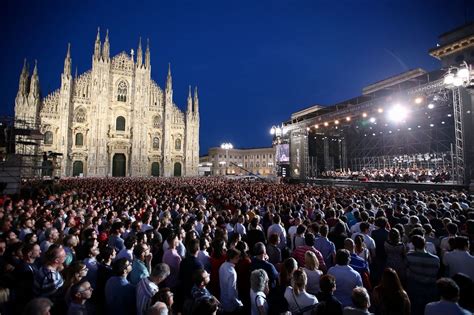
column 206, row 307
column 165, row 296
column 218, row 248
column 141, row 251
column 288, row 268
column 51, row 234
column 121, row 267
column 309, row 239
column 359, row 242
column 349, row 245
column 324, row 230
column 173, row 240
column 301, row 229
column 364, row 227
column 343, row 257
column 55, row 256
column 311, row 261
column 31, row 252
column 233, row 255
column 327, row 284
column 274, row 239
column 390, row 281
column 201, row 278
column 418, row 242
column 452, row 228
column 107, row 254
column 75, row 272
column 259, row 249
column 299, row 281
column 192, row 247
column 360, row 298
column 394, row 236
column 38, row 306
column 461, row 243
column 81, row 291
column 159, row 273
column 259, row 280
column 448, row 289
column 130, row 241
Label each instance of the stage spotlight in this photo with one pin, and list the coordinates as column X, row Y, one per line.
column 336, row 122
column 380, row 110
column 348, row 118
column 418, row 100
column 316, row 126
column 326, row 124
column 431, row 106
column 442, row 122
column 364, row 115
column 307, row 128
column 431, row 125
column 372, row 119
column 397, row 113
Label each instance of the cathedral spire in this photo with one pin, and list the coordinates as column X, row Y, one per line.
column 34, row 84
column 147, row 54
column 190, row 101
column 97, row 45
column 196, row 101
column 75, row 75
column 67, row 61
column 169, row 79
column 23, row 85
column 106, row 47
column 139, row 53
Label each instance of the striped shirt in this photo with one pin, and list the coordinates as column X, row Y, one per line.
column 47, row 282
column 145, row 291
column 423, row 267
column 300, row 251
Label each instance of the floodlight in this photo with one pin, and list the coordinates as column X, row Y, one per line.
column 449, row 79
column 431, row 106
column 372, row 119
column 418, row 100
column 326, row 124
column 348, row 118
column 397, row 113
column 336, row 122
column 380, row 110
column 364, row 115
column 457, row 81
column 463, row 73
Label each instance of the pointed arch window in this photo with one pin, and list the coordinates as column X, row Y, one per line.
column 79, row 139
column 80, row 116
column 48, row 138
column 177, row 144
column 157, row 121
column 120, row 123
column 156, row 143
column 122, row 92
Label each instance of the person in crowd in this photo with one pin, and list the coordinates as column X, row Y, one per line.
column 361, row 301
column 448, row 303
column 38, row 306
column 187, row 269
column 299, row 301
column 203, row 254
column 459, row 260
column 367, row 240
column 260, row 261
column 243, row 269
column 338, row 235
column 389, row 297
column 258, row 292
column 298, row 238
column 161, row 303
column 127, row 251
column 51, row 237
column 141, row 265
column 422, row 271
column 206, row 307
column 255, row 233
column 273, row 251
column 356, row 262
column 396, row 252
column 48, row 280
column 346, row 277
column 120, row 295
column 300, row 251
column 277, row 228
column 80, row 293
column 115, row 239
column 25, row 273
column 218, row 257
column 148, row 287
column 325, row 246
column 328, row 303
column 228, row 283
column 312, row 272
column 173, row 260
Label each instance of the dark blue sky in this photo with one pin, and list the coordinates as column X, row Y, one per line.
column 254, row 62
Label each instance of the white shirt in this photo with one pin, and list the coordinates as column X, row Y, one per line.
column 459, row 261
column 280, row 230
column 300, row 301
column 145, row 291
column 258, row 299
column 228, row 284
column 313, row 280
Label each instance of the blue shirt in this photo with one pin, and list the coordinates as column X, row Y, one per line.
column 139, row 271
column 358, row 264
column 346, row 280
column 119, row 296
column 444, row 308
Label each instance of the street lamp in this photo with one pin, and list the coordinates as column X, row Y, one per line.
column 226, row 146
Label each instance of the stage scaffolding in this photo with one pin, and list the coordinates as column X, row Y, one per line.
column 431, row 138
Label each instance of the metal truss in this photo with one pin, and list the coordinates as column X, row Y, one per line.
column 459, row 166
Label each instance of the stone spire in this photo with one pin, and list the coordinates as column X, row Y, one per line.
column 97, row 45
column 169, row 79
column 23, row 85
column 147, row 54
column 139, row 54
column 106, row 47
column 196, row 101
column 67, row 62
column 190, row 101
column 34, row 84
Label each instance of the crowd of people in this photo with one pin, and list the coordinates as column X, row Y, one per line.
column 393, row 174
column 212, row 245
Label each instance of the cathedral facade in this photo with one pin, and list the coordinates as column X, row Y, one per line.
column 113, row 120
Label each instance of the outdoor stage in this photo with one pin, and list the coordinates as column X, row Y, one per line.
column 426, row 186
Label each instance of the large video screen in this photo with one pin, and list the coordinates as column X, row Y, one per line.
column 283, row 153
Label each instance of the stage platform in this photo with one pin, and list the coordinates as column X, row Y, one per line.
column 383, row 185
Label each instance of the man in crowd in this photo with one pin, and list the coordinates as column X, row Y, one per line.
column 228, row 283
column 119, row 293
column 448, row 304
column 148, row 286
column 346, row 277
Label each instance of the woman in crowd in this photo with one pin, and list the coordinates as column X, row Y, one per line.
column 312, row 272
column 389, row 297
column 258, row 292
column 299, row 301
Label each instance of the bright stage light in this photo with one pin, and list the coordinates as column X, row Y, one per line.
column 380, row 110
column 431, row 106
column 418, row 100
column 336, row 122
column 326, row 124
column 372, row 119
column 348, row 118
column 316, row 126
column 397, row 113
column 364, row 115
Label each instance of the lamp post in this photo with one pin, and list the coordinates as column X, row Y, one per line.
column 226, row 146
column 454, row 79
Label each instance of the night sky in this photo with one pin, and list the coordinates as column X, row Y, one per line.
column 254, row 62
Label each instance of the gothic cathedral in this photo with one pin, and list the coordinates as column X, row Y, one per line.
column 113, row 120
